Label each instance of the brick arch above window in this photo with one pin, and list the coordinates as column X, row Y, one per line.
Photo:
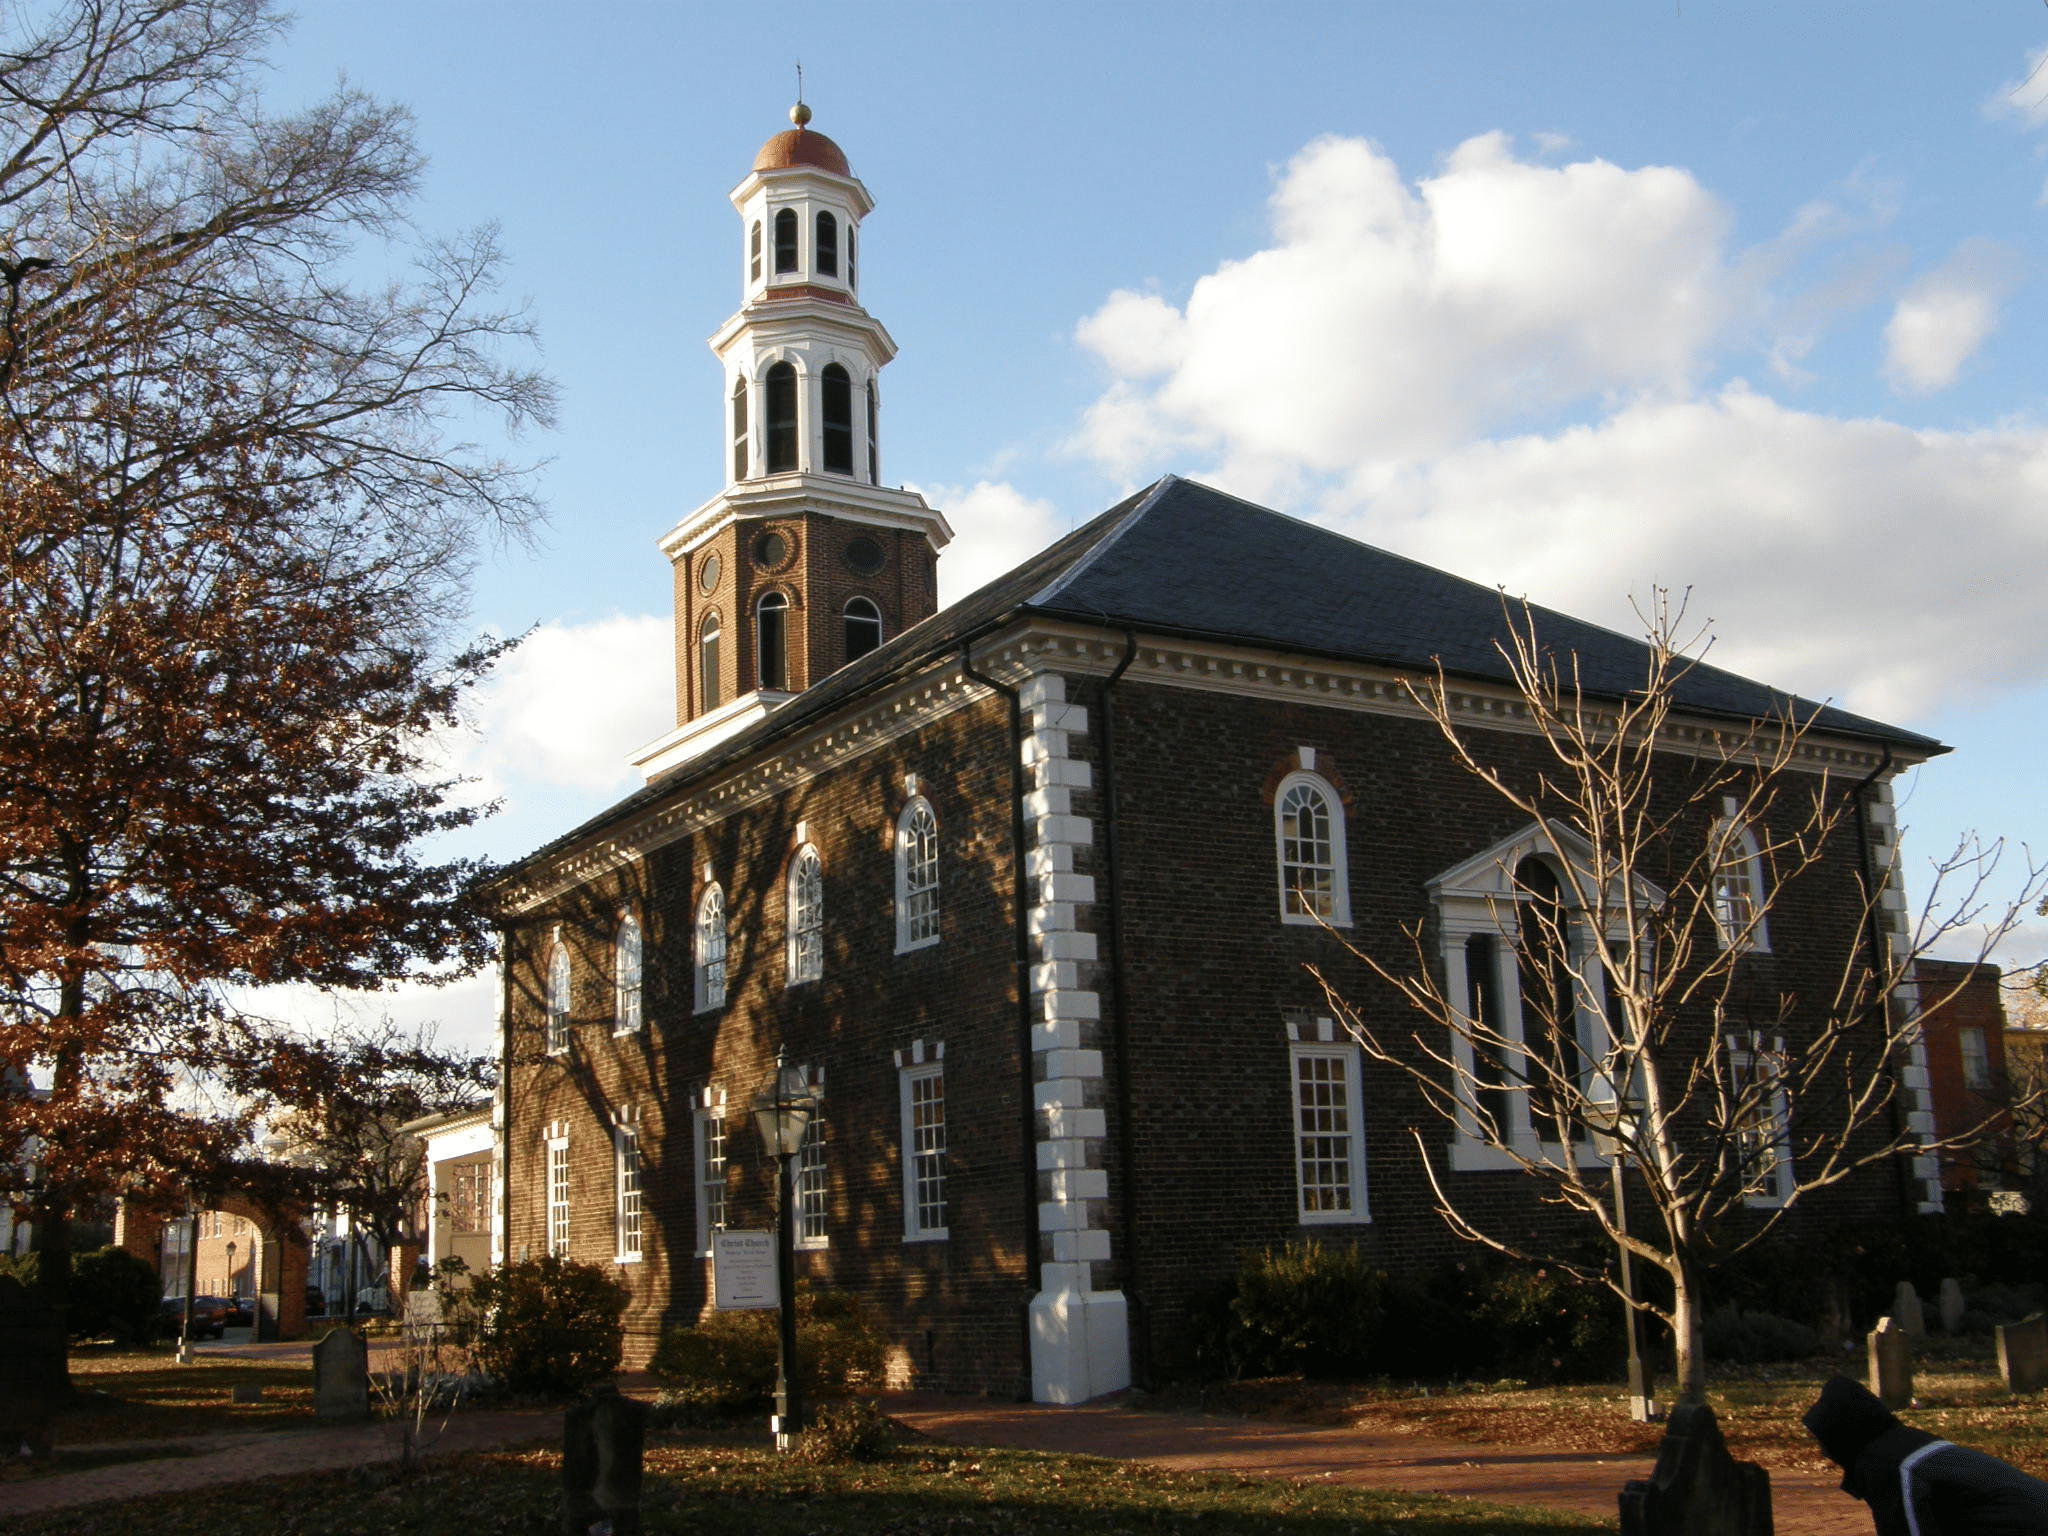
column 1306, row 760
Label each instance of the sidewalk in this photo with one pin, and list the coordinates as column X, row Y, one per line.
column 1803, row 1504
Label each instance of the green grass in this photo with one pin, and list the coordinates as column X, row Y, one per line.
column 723, row 1490
column 149, row 1396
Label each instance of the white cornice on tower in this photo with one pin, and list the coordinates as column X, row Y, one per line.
column 853, row 501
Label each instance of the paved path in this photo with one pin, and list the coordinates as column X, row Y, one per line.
column 1803, row 1504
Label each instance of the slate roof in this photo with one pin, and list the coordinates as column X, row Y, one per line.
column 1182, row 559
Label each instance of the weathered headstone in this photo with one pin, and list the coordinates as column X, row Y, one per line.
column 1697, row 1488
column 602, row 1438
column 248, row 1392
column 1891, row 1364
column 341, row 1376
column 31, row 1372
column 2023, row 1354
column 1951, row 1306
column 1906, row 1310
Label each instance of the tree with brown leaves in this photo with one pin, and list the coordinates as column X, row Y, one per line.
column 233, row 527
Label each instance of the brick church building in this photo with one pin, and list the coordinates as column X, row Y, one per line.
column 1029, row 884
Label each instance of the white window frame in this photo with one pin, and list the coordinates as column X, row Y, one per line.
column 917, row 876
column 1763, row 1123
column 629, row 1210
column 1975, row 1063
column 558, row 1195
column 628, row 974
column 1737, row 892
column 1306, row 780
column 560, row 988
column 713, row 945
column 804, row 917
column 924, row 1152
column 813, row 1191
column 712, row 1158
column 1344, row 1057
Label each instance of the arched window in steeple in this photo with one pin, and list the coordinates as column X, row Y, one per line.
column 828, row 245
column 852, row 259
column 754, row 254
column 739, row 429
column 707, row 663
column 781, row 422
column 874, row 452
column 863, row 628
column 771, row 629
column 785, row 240
column 838, row 411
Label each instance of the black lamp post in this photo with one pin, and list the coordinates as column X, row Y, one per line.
column 1613, row 1122
column 782, row 1113
column 191, row 1277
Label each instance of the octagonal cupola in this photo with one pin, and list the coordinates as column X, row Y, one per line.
column 805, row 560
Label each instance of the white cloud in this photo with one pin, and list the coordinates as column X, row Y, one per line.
column 2025, row 100
column 995, row 526
column 1945, row 316
column 1865, row 560
column 572, row 701
column 1389, row 322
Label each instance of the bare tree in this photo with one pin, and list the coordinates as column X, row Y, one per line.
column 235, row 516
column 1661, row 845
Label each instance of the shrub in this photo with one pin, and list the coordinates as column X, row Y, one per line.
column 727, row 1361
column 1546, row 1326
column 843, row 1432
column 549, row 1325
column 1299, row 1307
column 113, row 1293
column 1758, row 1338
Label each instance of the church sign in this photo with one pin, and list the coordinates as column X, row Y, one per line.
column 743, row 1271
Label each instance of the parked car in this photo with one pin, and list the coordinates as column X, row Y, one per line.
column 209, row 1316
column 316, row 1301
column 241, row 1312
column 374, row 1301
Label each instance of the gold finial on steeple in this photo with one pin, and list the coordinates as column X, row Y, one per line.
column 800, row 114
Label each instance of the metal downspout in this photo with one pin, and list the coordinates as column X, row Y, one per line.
column 1020, row 908
column 1119, row 1023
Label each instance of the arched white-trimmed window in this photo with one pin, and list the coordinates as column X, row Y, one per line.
column 739, row 429
column 558, row 998
column 707, row 662
column 779, row 419
column 786, row 237
column 771, row 641
column 1308, row 837
column 835, row 418
column 626, row 1012
column 917, row 876
column 754, row 254
column 1738, row 889
column 862, row 623
column 828, row 245
column 710, row 945
column 804, row 914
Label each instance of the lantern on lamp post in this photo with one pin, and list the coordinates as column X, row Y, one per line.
column 783, row 1110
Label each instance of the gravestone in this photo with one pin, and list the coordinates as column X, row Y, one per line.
column 2023, row 1354
column 248, row 1392
column 341, row 1376
column 1906, row 1310
column 1697, row 1488
column 31, row 1372
column 1951, row 1307
column 1891, row 1364
column 602, row 1438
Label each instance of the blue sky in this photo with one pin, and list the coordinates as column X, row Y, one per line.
column 1573, row 298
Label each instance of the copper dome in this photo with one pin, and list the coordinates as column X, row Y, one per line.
column 800, row 146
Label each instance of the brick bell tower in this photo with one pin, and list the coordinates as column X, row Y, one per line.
column 805, row 561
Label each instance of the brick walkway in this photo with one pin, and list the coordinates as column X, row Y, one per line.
column 1803, row 1504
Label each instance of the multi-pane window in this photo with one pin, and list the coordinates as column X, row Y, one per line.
column 469, row 1196
column 558, row 999
column 785, row 240
column 558, row 1196
column 835, row 391
column 626, row 1190
column 1976, row 1063
column 810, row 1185
column 1738, row 893
column 754, row 254
column 739, row 429
column 1760, row 1117
column 626, row 977
column 710, row 1176
column 710, row 946
column 917, row 877
column 805, row 906
column 862, row 622
column 771, row 634
column 1308, row 827
column 924, row 1151
column 1329, row 1153
column 828, row 245
column 707, row 661
column 779, row 427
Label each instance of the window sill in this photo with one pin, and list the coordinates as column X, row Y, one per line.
column 937, row 1235
column 1297, row 920
column 904, row 949
column 701, row 1008
column 1334, row 1218
column 627, row 1258
column 812, row 1244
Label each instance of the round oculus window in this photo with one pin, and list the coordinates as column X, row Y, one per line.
column 864, row 555
column 770, row 550
column 707, row 574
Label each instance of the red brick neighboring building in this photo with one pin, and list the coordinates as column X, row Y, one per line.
column 1030, row 888
column 1966, row 1069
